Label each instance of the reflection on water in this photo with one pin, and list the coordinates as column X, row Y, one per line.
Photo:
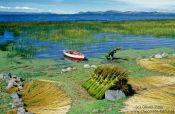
column 95, row 48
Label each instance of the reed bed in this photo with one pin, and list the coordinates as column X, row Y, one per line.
column 78, row 30
column 44, row 97
column 154, row 101
column 104, row 78
column 160, row 65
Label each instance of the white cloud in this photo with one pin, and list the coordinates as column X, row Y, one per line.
column 18, row 8
column 5, row 7
column 25, row 8
column 56, row 11
column 157, row 5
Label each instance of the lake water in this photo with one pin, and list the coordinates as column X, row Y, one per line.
column 103, row 43
column 84, row 17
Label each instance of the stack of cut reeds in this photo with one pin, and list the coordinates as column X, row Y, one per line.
column 105, row 78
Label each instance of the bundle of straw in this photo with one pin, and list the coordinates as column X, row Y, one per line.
column 104, row 78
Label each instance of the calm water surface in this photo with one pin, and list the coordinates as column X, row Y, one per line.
column 103, row 42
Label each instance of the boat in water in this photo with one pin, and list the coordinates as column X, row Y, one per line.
column 74, row 55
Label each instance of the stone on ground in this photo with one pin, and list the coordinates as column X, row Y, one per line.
column 158, row 56
column 87, row 66
column 113, row 95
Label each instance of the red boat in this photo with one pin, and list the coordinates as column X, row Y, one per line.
column 74, row 55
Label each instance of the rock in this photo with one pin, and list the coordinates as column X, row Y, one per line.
column 15, row 95
column 158, row 56
column 15, row 84
column 95, row 111
column 69, row 69
column 164, row 54
column 21, row 110
column 87, row 66
column 7, row 78
column 10, row 85
column 29, row 113
column 18, row 79
column 20, row 88
column 139, row 58
column 93, row 66
column 17, row 103
column 113, row 95
column 14, row 76
column 74, row 68
column 64, row 70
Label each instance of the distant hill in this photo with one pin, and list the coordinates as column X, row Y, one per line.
column 119, row 12
column 112, row 12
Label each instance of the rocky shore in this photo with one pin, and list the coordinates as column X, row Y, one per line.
column 14, row 81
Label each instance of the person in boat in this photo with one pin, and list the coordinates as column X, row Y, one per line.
column 110, row 54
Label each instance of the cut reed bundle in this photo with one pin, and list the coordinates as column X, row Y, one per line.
column 104, row 78
column 154, row 101
column 45, row 97
column 158, row 65
column 151, row 82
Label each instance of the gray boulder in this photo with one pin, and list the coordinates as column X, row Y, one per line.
column 158, row 56
column 10, row 85
column 164, row 54
column 87, row 66
column 68, row 68
column 64, row 70
column 15, row 95
column 29, row 113
column 113, row 95
column 6, row 78
column 20, row 88
column 21, row 110
column 17, row 103
column 93, row 66
column 14, row 76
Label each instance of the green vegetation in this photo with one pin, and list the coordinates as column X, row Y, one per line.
column 1, row 33
column 98, row 107
column 5, row 99
column 14, row 59
column 130, row 56
column 104, row 78
column 71, row 82
column 80, row 30
column 23, row 48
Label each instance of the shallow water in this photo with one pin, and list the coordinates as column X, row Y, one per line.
column 103, row 43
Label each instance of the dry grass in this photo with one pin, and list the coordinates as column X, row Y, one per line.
column 150, row 82
column 44, row 97
column 160, row 65
column 154, row 101
column 156, row 94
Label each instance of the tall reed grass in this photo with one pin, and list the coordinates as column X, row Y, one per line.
column 76, row 30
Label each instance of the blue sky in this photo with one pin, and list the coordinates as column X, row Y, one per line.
column 74, row 6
